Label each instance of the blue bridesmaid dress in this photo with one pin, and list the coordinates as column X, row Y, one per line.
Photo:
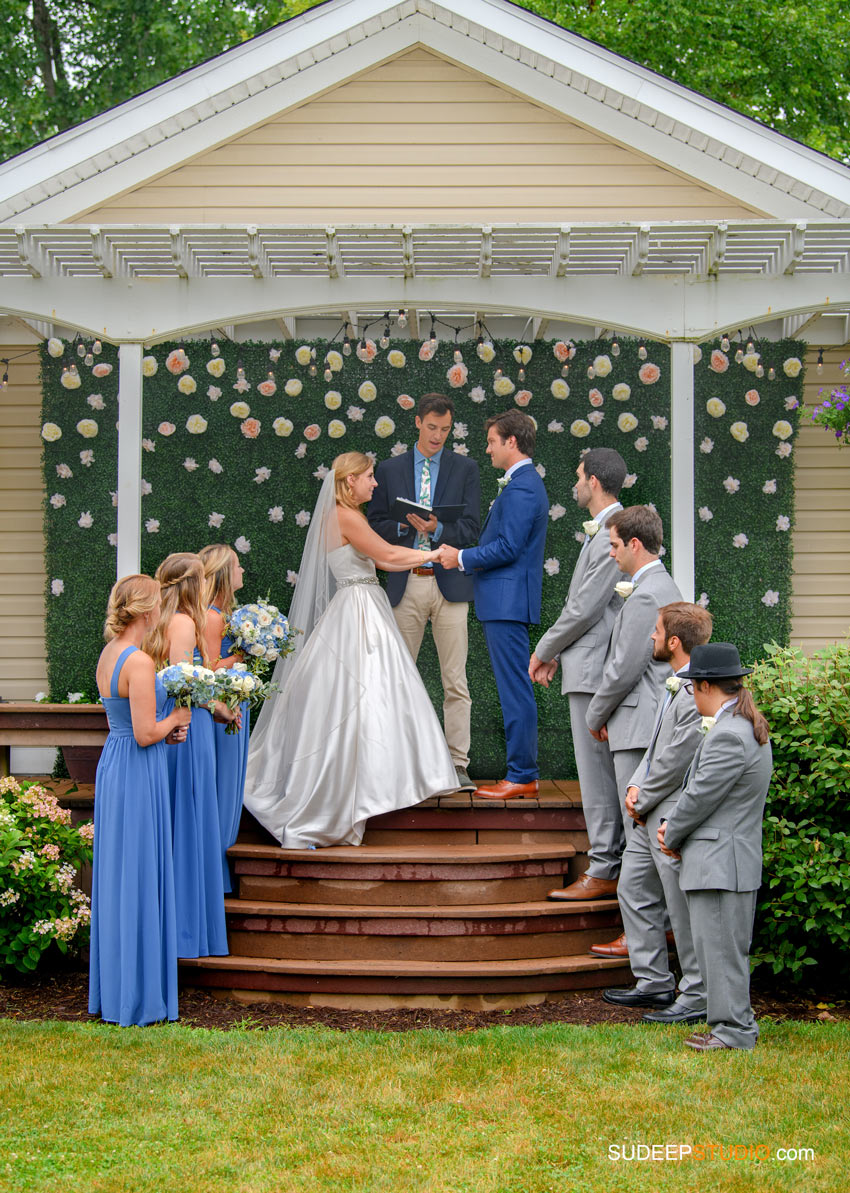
column 133, row 957
column 198, row 885
column 231, row 759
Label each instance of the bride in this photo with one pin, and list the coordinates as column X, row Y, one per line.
column 351, row 731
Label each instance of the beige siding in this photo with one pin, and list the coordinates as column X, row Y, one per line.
column 23, row 668
column 418, row 139
column 821, row 594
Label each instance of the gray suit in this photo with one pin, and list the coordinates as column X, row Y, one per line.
column 649, row 880
column 632, row 683
column 580, row 637
column 717, row 826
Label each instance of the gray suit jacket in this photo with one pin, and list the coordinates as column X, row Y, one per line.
column 717, row 822
column 581, row 633
column 632, row 683
column 674, row 741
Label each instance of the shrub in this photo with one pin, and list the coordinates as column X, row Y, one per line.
column 802, row 907
column 40, row 852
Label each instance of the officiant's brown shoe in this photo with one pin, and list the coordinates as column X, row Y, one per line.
column 505, row 789
column 614, row 948
column 586, row 887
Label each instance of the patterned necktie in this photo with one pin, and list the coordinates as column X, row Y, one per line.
column 423, row 542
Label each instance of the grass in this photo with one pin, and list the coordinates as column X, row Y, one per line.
column 502, row 1110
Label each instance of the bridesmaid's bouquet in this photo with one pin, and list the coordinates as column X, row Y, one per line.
column 189, row 684
column 262, row 633
column 237, row 684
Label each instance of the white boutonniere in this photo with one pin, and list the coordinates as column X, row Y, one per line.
column 590, row 528
column 708, row 724
column 672, row 683
column 502, row 481
column 624, row 588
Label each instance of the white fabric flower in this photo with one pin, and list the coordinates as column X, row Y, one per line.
column 602, row 366
column 705, row 513
column 190, row 464
column 672, row 683
column 291, row 577
column 63, row 472
column 783, row 522
column 70, row 380
column 300, row 451
column 706, row 446
column 715, row 407
column 460, row 431
column 631, row 478
column 215, row 520
column 57, row 501
column 782, row 429
column 274, row 355
column 624, row 588
column 396, row 359
column 85, row 520
column 621, row 392
column 148, row 445
column 751, row 361
column 522, row 354
column 215, row 467
column 333, row 399
column 791, row 402
column 783, row 451
column 336, row 428
column 87, row 458
column 731, row 485
column 146, row 487
column 57, row 587
column 75, row 697
column 87, row 427
column 293, row 387
column 477, row 394
column 769, row 486
column 460, row 449
column 740, row 432
column 187, row 384
column 216, row 367
column 398, row 449
column 112, row 539
column 355, row 414
column 559, row 389
column 540, row 470
column 152, row 526
column 242, row 385
column 703, row 600
column 627, row 421
column 55, row 347
column 384, row 427
column 334, row 360
column 150, row 367
column 502, row 386
column 770, row 598
column 276, row 514
column 282, row 427
column 304, row 355
column 486, row 352
column 552, row 567
column 213, row 393
column 261, row 475
column 196, row 424
column 659, row 422
column 555, row 427
column 302, row 518
column 556, row 512
column 240, row 409
column 580, row 428
column 113, row 493
column 96, row 401
column 740, row 541
column 242, row 545
column 595, row 417
column 367, row 391
column 641, row 444
column 792, row 366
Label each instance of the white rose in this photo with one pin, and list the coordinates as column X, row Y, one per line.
column 367, row 392
column 621, row 392
column 396, row 359
column 384, row 427
column 503, row 386
column 783, row 429
column 293, row 387
column 336, row 428
column 333, row 399
column 580, row 428
column 216, row 366
column 196, row 424
column 187, row 384
column 715, row 407
column 792, row 366
column 304, row 355
column 149, row 366
column 624, row 588
column 602, row 366
column 739, row 431
column 55, row 347
column 240, row 409
column 87, row 427
column 559, row 389
column 282, row 427
column 50, row 432
column 627, row 421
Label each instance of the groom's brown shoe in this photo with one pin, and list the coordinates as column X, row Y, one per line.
column 505, row 789
column 585, row 887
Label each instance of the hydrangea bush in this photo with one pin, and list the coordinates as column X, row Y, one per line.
column 40, row 853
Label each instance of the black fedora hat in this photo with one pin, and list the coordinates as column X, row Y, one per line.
column 715, row 660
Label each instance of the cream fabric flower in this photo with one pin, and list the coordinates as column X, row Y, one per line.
column 336, row 428
column 739, row 431
column 50, row 432
column 216, row 367
column 87, row 427
column 196, row 424
column 187, row 385
column 559, row 389
column 240, row 409
column 282, row 427
column 304, row 354
column 150, row 367
column 792, row 367
column 503, row 386
column 624, row 588
column 522, row 354
column 293, row 387
column 333, row 399
column 627, row 421
column 783, row 429
column 602, row 366
column 621, row 392
column 367, row 391
column 486, row 352
column 384, row 427
column 396, row 359
column 715, row 407
column 580, row 428
column 590, row 528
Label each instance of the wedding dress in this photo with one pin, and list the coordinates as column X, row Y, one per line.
column 352, row 732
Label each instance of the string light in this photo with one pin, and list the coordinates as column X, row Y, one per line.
column 81, row 348
column 739, row 351
column 5, row 380
column 433, row 335
column 641, row 350
column 820, row 360
column 385, row 338
column 521, row 374
column 771, row 373
column 591, row 372
column 759, row 369
column 346, row 345
column 750, row 347
column 615, row 346
column 97, row 347
column 240, row 372
column 214, row 349
column 724, row 342
column 88, row 360
column 565, row 368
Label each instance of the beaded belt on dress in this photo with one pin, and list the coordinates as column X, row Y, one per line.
column 359, row 580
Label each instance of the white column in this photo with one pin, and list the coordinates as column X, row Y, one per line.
column 682, row 466
column 129, row 459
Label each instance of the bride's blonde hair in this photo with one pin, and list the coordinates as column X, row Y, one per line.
column 181, row 580
column 218, row 576
column 344, row 466
column 132, row 597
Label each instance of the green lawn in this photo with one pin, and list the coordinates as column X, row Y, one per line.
column 91, row 1107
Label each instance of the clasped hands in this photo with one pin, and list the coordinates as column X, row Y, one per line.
column 540, row 672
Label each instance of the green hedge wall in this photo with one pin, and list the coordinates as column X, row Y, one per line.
column 177, row 509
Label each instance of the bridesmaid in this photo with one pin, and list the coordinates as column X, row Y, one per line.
column 223, row 577
column 198, row 885
column 133, row 955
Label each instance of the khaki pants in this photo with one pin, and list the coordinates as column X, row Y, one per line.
column 423, row 602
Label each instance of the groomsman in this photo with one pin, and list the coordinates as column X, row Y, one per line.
column 580, row 639
column 649, row 880
column 432, row 475
column 507, row 571
column 716, row 830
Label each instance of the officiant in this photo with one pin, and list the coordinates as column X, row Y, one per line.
column 448, row 483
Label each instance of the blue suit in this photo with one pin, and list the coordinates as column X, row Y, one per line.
column 458, row 483
column 507, row 568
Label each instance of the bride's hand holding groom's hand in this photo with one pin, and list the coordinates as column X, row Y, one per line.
column 447, row 556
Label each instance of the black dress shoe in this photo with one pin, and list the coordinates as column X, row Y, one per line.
column 632, row 997
column 671, row 1015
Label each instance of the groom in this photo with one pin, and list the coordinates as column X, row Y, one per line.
column 507, row 573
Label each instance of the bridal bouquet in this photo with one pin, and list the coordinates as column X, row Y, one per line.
column 237, row 684
column 189, row 683
column 262, row 633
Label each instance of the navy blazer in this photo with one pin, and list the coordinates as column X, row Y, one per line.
column 458, row 483
column 507, row 564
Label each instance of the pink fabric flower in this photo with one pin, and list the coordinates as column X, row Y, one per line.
column 649, row 373
column 103, row 370
column 426, row 350
column 563, row 352
column 312, row 432
column 522, row 397
column 250, row 428
column 751, row 397
column 719, row 361
column 405, row 401
column 166, row 429
column 595, row 398
column 267, row 389
column 176, row 362
column 457, row 375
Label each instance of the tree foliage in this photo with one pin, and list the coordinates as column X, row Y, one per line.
column 782, row 62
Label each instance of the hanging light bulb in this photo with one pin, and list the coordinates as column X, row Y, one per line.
column 214, row 349
column 458, row 355
column 73, row 371
column 346, row 346
column 498, row 373
column 97, row 347
column 739, row 354
column 402, row 318
column 771, row 373
column 433, row 335
column 759, row 369
column 750, row 347
column 724, row 342
column 240, row 372
column 591, row 372
column 270, row 375
column 385, row 338
column 521, row 374
column 564, row 370
column 312, row 371
column 641, row 350
column 615, row 347
column 5, row 381
column 328, row 373
column 88, row 360
column 81, row 348
column 820, row 360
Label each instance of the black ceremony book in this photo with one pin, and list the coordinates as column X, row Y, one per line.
column 445, row 513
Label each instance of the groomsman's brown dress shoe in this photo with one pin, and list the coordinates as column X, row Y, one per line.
column 505, row 789
column 586, row 888
column 705, row 1042
column 614, row 948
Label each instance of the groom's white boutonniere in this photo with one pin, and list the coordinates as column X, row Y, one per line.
column 708, row 723
column 502, row 481
column 590, row 528
column 672, row 683
column 624, row 588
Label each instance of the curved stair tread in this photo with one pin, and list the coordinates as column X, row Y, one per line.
column 325, row 911
column 378, row 967
column 374, row 854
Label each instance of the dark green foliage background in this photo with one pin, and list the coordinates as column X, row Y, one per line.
column 182, row 501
